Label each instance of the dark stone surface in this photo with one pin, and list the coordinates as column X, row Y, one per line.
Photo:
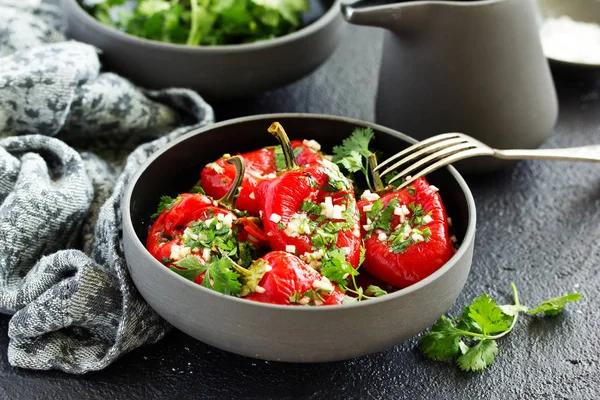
column 538, row 226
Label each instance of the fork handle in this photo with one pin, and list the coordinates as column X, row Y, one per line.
column 584, row 153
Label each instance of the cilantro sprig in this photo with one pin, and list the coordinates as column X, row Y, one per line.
column 353, row 154
column 338, row 270
column 470, row 339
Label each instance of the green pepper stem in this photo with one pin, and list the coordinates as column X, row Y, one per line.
column 288, row 152
column 228, row 201
column 377, row 182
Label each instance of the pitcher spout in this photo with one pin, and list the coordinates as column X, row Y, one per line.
column 401, row 15
column 371, row 12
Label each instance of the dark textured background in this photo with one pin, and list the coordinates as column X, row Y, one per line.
column 538, row 225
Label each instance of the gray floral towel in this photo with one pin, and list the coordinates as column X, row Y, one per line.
column 70, row 139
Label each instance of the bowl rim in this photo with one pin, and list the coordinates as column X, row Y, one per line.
column 458, row 255
column 320, row 23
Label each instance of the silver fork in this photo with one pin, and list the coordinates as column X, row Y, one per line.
column 441, row 150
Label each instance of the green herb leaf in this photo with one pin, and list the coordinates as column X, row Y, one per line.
column 478, row 357
column 352, row 155
column 188, row 267
column 384, row 219
column 198, row 189
column 482, row 322
column 336, row 268
column 442, row 341
column 375, row 291
column 357, row 142
column 221, row 278
column 555, row 305
column 166, row 203
column 488, row 315
column 353, row 162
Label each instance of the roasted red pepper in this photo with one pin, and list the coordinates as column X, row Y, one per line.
column 288, row 280
column 307, row 210
column 406, row 234
column 217, row 177
column 196, row 225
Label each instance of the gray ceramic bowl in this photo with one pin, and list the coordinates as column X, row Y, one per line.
column 285, row 333
column 216, row 72
column 578, row 10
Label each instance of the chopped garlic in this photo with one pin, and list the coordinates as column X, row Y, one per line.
column 417, row 237
column 449, row 221
column 427, row 219
column 323, row 284
column 367, row 195
column 206, row 254
column 290, row 248
column 252, row 196
column 275, row 218
column 312, row 144
column 346, row 250
column 337, row 212
column 382, row 237
column 259, row 289
column 368, row 207
column 179, row 252
column 453, row 239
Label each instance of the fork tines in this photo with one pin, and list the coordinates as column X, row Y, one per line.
column 438, row 151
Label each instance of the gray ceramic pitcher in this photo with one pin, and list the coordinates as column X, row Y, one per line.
column 475, row 67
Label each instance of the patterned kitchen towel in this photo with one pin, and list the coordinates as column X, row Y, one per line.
column 71, row 137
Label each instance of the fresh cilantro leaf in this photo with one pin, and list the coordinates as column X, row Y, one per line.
column 555, row 305
column 352, row 162
column 488, row 315
column 188, row 267
column 375, row 210
column 375, row 291
column 478, row 357
column 483, row 322
column 221, row 278
column 512, row 310
column 336, row 268
column 363, row 252
column 391, row 175
column 442, row 341
column 198, row 189
column 384, row 219
column 166, row 203
column 358, row 142
column 352, row 155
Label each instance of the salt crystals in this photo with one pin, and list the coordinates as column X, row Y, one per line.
column 567, row 40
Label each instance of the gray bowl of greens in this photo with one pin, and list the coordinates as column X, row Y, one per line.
column 222, row 49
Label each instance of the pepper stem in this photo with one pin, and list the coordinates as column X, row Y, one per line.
column 377, row 182
column 228, row 201
column 249, row 277
column 288, row 152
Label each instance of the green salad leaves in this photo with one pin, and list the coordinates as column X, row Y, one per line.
column 201, row 22
column 471, row 338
